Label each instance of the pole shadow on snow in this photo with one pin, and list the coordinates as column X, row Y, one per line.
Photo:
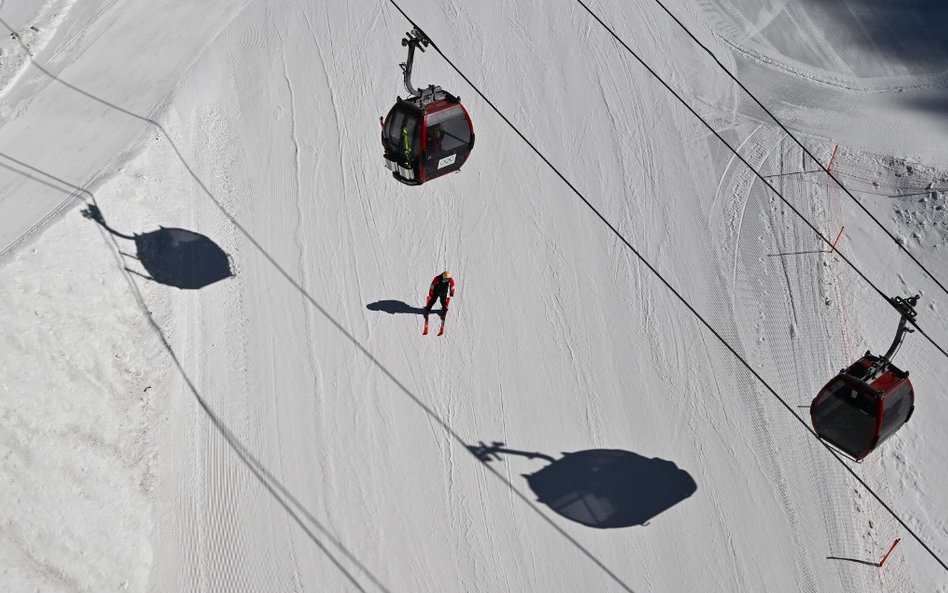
column 602, row 488
column 798, row 253
column 175, row 257
column 775, row 175
column 866, row 562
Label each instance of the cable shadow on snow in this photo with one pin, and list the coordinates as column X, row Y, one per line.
column 174, row 257
column 275, row 488
column 602, row 488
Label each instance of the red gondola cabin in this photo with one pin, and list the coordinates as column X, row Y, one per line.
column 870, row 400
column 855, row 416
column 425, row 141
column 428, row 134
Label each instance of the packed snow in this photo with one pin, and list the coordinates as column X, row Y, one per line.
column 273, row 419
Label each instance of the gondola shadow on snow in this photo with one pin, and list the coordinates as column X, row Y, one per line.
column 602, row 488
column 175, row 257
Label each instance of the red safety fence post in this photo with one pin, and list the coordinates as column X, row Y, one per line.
column 836, row 240
column 829, row 167
column 884, row 558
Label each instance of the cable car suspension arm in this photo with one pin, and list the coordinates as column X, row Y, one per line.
column 907, row 308
column 414, row 38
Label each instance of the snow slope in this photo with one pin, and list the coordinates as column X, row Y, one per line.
column 127, row 55
column 297, row 432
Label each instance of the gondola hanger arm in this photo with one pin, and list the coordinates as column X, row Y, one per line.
column 415, row 38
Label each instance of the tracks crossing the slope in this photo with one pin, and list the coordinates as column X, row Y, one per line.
column 824, row 168
column 669, row 286
column 757, row 173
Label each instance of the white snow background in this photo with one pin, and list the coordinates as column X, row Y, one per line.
column 289, row 429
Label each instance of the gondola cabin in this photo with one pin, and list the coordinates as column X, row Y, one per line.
column 856, row 416
column 427, row 136
column 870, row 400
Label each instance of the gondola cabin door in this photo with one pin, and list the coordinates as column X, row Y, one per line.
column 448, row 138
column 401, row 141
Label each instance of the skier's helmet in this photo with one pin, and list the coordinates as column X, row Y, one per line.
column 446, row 275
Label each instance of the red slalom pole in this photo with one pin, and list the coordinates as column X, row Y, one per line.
column 829, row 167
column 884, row 558
column 836, row 240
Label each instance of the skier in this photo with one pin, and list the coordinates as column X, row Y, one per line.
column 442, row 288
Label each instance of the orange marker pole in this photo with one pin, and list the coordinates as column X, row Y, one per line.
column 884, row 558
column 836, row 240
column 829, row 167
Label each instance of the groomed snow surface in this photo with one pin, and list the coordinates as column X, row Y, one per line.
column 272, row 419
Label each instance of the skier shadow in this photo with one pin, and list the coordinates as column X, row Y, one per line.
column 602, row 488
column 394, row 307
column 171, row 256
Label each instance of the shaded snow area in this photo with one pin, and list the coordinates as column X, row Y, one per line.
column 213, row 376
column 81, row 375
